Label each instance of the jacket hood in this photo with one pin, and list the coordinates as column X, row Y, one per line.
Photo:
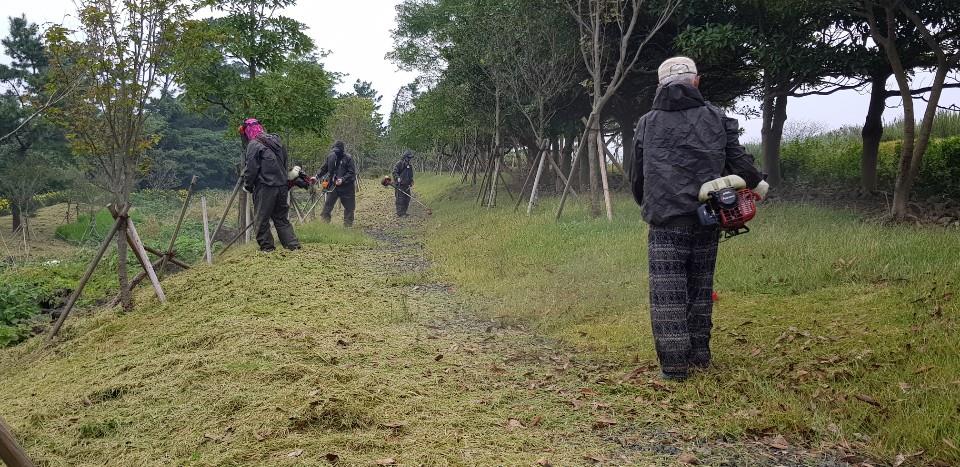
column 270, row 141
column 678, row 96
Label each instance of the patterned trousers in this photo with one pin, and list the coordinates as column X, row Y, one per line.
column 682, row 262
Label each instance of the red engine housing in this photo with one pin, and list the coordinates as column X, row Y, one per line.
column 736, row 218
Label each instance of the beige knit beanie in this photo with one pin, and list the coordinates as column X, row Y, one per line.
column 675, row 67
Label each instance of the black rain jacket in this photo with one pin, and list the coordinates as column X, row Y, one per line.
column 266, row 163
column 403, row 171
column 681, row 144
column 340, row 166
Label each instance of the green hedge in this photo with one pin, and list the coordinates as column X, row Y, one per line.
column 837, row 159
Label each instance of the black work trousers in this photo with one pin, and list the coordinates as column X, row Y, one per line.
column 403, row 199
column 270, row 203
column 348, row 199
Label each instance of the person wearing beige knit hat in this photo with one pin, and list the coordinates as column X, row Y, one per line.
column 678, row 69
column 682, row 143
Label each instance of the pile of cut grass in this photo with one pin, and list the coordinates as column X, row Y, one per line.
column 828, row 329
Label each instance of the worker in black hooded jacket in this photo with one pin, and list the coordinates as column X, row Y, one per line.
column 265, row 175
column 682, row 143
column 403, row 182
column 341, row 176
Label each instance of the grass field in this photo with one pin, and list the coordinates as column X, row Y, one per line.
column 828, row 329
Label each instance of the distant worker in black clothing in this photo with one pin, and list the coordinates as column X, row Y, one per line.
column 340, row 172
column 266, row 176
column 403, row 177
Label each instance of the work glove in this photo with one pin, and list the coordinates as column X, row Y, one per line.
column 339, row 182
column 399, row 180
column 312, row 180
column 762, row 189
column 247, row 190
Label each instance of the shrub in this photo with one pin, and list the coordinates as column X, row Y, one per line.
column 18, row 304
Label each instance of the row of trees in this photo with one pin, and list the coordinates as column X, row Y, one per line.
column 548, row 76
column 149, row 93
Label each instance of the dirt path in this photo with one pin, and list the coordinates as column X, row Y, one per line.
column 354, row 355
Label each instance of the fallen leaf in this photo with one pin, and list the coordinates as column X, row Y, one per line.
column 332, row 458
column 603, row 422
column 755, row 352
column 387, row 461
column 687, row 458
column 597, row 458
column 261, row 435
column 899, row 460
column 951, row 444
column 833, row 428
column 342, row 343
column 513, row 424
column 923, row 369
column 438, row 357
column 778, row 442
column 543, row 462
column 535, row 421
column 577, row 403
column 868, row 399
column 588, row 392
column 297, row 453
column 905, row 387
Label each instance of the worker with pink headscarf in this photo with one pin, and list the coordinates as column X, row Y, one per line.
column 266, row 176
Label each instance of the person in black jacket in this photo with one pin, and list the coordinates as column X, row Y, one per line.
column 403, row 182
column 341, row 173
column 682, row 143
column 265, row 175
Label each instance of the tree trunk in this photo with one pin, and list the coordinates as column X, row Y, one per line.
column 126, row 298
column 627, row 135
column 774, row 117
column 15, row 214
column 872, row 133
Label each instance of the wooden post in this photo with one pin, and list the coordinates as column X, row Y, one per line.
column 86, row 276
column 207, row 249
column 176, row 231
column 10, row 451
column 602, row 156
column 493, row 183
column 226, row 211
column 536, row 182
column 160, row 254
column 315, row 203
column 573, row 167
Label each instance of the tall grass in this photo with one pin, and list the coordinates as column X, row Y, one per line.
column 816, row 308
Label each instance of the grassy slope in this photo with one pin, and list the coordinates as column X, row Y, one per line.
column 818, row 313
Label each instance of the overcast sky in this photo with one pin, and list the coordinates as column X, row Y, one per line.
column 357, row 33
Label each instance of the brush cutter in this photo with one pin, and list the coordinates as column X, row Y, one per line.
column 387, row 181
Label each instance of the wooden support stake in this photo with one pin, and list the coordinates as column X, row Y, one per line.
column 133, row 284
column 573, row 167
column 133, row 239
column 602, row 155
column 160, row 254
column 315, row 203
column 237, row 237
column 223, row 218
column 86, row 276
column 526, row 181
column 536, row 182
column 176, row 231
column 506, row 186
column 296, row 207
column 207, row 248
column 10, row 451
